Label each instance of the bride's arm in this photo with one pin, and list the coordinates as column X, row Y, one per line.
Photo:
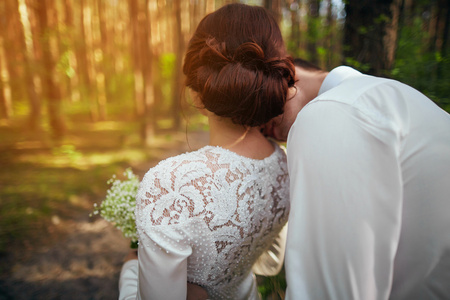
column 162, row 265
column 161, row 270
column 162, row 221
column 129, row 278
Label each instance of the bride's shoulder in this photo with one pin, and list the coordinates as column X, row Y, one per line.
column 183, row 161
column 164, row 190
column 168, row 173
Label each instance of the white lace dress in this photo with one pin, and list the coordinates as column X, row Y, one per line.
column 206, row 217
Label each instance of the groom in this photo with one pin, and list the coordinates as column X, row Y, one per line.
column 369, row 166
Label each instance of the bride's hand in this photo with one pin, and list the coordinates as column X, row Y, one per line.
column 196, row 292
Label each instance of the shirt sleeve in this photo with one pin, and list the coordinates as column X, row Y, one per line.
column 346, row 200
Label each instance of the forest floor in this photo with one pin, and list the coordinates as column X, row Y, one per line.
column 50, row 248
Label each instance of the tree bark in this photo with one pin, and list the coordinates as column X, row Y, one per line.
column 371, row 34
column 331, row 37
column 446, row 32
column 142, row 66
column 138, row 77
column 148, row 121
column 275, row 7
column 445, row 6
column 5, row 99
column 28, row 77
column 106, row 53
column 5, row 102
column 71, row 79
column 178, row 74
column 84, row 65
column 313, row 31
column 295, row 38
column 50, row 88
column 12, row 47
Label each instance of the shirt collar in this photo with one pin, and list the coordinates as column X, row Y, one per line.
column 336, row 76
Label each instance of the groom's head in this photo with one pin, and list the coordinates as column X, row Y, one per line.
column 308, row 79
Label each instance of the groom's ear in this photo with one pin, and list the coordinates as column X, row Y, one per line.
column 292, row 91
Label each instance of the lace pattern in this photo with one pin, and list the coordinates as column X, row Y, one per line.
column 225, row 207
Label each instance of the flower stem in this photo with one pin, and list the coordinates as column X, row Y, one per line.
column 134, row 244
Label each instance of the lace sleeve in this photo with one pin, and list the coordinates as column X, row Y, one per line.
column 163, row 243
column 171, row 193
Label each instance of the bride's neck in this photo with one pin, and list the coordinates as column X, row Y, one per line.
column 245, row 141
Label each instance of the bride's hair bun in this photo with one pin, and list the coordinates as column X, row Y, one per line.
column 236, row 62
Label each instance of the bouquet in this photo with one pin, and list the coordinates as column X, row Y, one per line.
column 119, row 204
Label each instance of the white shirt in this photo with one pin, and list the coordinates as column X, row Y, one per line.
column 207, row 217
column 369, row 164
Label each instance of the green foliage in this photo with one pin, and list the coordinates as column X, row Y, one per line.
column 68, row 151
column 166, row 74
column 64, row 66
column 362, row 30
column 382, row 19
column 167, row 65
column 272, row 287
column 31, row 196
column 417, row 66
column 42, row 182
column 356, row 64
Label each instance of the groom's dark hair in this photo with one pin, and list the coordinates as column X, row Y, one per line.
column 237, row 63
column 307, row 65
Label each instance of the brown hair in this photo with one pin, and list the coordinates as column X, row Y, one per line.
column 237, row 63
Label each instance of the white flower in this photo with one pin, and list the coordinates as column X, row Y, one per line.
column 119, row 204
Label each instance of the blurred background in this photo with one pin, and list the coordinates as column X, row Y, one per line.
column 89, row 88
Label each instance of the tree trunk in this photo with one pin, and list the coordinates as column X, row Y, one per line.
column 71, row 78
column 50, row 88
column 446, row 31
column 83, row 65
column 106, row 53
column 313, row 31
column 179, row 52
column 138, row 76
column 12, row 47
column 155, row 17
column 275, row 7
column 5, row 102
column 28, row 77
column 148, row 119
column 331, row 37
column 294, row 43
column 371, row 34
column 5, row 98
column 210, row 6
column 445, row 6
column 142, row 66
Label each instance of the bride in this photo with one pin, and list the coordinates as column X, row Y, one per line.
column 205, row 217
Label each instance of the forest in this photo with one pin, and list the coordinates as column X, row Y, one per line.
column 89, row 88
column 100, row 60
